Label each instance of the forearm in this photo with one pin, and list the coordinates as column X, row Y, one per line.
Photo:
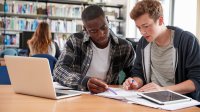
column 66, row 77
column 183, row 88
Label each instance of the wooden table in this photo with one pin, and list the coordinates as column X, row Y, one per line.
column 11, row 102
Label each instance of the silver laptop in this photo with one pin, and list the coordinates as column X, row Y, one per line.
column 32, row 76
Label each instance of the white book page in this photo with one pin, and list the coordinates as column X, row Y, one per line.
column 122, row 94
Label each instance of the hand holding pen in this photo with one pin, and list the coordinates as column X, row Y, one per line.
column 96, row 85
column 132, row 83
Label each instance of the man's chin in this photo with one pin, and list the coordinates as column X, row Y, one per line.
column 149, row 39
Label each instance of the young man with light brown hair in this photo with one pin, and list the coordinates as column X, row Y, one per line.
column 167, row 57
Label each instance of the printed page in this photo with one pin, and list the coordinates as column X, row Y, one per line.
column 121, row 94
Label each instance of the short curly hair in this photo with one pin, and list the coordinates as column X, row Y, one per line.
column 92, row 12
column 151, row 7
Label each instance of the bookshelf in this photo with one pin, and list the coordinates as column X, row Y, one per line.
column 63, row 16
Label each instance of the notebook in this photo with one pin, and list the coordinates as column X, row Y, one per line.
column 32, row 76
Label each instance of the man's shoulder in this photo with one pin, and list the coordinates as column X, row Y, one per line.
column 123, row 41
column 79, row 35
column 183, row 34
column 76, row 37
column 185, row 37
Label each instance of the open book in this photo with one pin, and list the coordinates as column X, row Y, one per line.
column 131, row 96
column 122, row 94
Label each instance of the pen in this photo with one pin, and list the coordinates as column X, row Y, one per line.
column 132, row 81
column 112, row 91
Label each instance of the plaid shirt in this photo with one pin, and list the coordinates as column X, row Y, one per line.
column 74, row 62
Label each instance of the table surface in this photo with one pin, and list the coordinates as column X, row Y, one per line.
column 12, row 102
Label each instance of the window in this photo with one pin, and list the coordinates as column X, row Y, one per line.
column 185, row 15
column 132, row 31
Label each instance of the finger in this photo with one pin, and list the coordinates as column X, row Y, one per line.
column 96, row 90
column 127, row 83
column 134, row 86
column 94, row 85
column 145, row 89
column 125, row 86
column 148, row 87
column 152, row 87
column 99, row 83
column 148, row 90
column 91, row 86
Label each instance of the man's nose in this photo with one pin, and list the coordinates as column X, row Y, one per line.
column 143, row 32
column 101, row 33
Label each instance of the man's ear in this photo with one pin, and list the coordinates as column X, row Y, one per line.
column 107, row 19
column 161, row 20
column 84, row 29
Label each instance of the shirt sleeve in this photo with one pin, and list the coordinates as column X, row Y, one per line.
column 65, row 71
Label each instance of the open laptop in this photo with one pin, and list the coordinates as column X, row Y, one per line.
column 32, row 76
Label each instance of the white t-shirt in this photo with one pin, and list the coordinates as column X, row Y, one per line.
column 100, row 62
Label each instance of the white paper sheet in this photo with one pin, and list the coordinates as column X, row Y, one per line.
column 121, row 94
column 130, row 96
column 58, row 86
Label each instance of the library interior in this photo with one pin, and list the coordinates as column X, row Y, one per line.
column 65, row 29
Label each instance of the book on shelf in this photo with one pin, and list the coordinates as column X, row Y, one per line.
column 10, row 40
column 53, row 9
column 22, row 24
column 62, row 18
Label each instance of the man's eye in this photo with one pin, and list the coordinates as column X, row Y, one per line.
column 92, row 31
column 104, row 27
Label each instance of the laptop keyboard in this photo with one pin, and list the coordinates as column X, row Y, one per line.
column 61, row 94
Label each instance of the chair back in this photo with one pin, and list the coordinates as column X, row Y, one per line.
column 52, row 60
column 12, row 52
column 4, row 77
